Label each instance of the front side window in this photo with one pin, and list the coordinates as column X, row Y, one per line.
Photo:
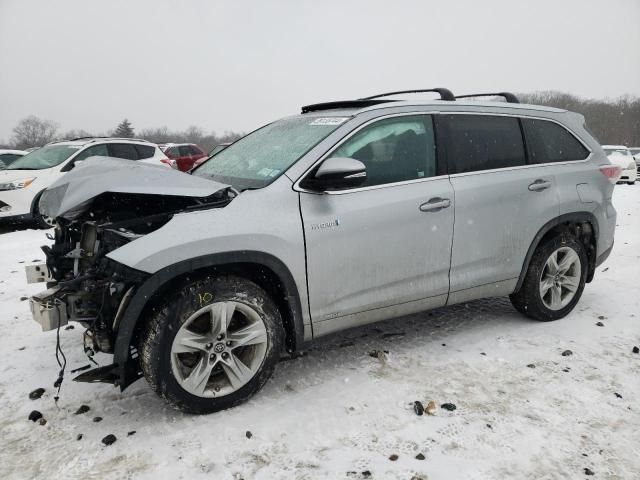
column 46, row 157
column 96, row 150
column 259, row 158
column 549, row 142
column 185, row 151
column 393, row 150
column 484, row 142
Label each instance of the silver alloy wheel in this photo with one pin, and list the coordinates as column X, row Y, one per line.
column 218, row 349
column 560, row 278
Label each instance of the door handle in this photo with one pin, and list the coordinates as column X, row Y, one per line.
column 435, row 204
column 539, row 185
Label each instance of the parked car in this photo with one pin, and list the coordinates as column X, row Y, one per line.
column 635, row 151
column 7, row 157
column 621, row 156
column 214, row 151
column 23, row 182
column 183, row 154
column 349, row 213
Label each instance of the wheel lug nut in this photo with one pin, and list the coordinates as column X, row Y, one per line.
column 209, row 346
column 221, row 336
column 225, row 355
column 228, row 343
column 212, row 357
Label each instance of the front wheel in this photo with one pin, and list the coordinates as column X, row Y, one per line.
column 41, row 220
column 554, row 281
column 212, row 345
column 632, row 183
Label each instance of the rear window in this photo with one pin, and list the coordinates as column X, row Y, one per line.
column 484, row 142
column 549, row 142
column 145, row 151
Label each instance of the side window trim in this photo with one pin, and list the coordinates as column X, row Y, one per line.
column 440, row 164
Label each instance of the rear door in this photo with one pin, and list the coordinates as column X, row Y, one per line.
column 501, row 201
column 123, row 150
column 381, row 250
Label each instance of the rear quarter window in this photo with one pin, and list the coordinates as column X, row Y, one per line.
column 123, row 150
column 145, row 151
column 549, row 142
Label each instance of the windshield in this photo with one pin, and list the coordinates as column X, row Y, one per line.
column 45, row 157
column 259, row 158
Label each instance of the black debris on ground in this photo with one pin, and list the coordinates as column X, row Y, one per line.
column 418, row 408
column 601, row 317
column 378, row 353
column 489, row 426
column 599, row 324
column 36, row 394
column 97, row 419
column 248, row 434
column 448, row 406
column 566, row 370
column 393, row 457
column 366, row 474
column 483, row 353
column 567, row 353
column 109, row 439
column 35, row 415
column 22, row 299
column 531, row 365
column 69, row 327
column 22, row 348
column 636, row 349
column 79, row 437
column 82, row 409
column 81, row 369
column 420, row 456
column 42, row 421
column 617, row 394
column 132, row 432
column 588, row 471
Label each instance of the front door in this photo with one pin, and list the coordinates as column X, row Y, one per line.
column 383, row 249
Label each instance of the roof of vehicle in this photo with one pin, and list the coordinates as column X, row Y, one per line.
column 87, row 140
column 167, row 145
column 617, row 147
column 17, row 152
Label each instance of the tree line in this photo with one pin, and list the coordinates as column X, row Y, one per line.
column 36, row 132
column 611, row 121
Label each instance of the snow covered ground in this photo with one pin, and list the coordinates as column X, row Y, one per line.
column 524, row 411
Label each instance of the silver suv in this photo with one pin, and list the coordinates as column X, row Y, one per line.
column 349, row 213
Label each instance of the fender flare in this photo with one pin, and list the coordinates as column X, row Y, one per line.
column 567, row 217
column 127, row 367
column 35, row 201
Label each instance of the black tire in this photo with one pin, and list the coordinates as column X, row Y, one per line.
column 165, row 321
column 632, row 183
column 528, row 300
column 38, row 219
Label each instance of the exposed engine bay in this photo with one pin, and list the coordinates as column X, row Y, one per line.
column 83, row 284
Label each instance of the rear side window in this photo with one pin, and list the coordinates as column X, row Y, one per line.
column 484, row 142
column 145, row 151
column 549, row 142
column 185, row 150
column 195, row 150
column 123, row 150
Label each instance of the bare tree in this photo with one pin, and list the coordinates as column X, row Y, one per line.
column 33, row 132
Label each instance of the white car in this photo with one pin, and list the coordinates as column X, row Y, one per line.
column 8, row 156
column 621, row 156
column 22, row 183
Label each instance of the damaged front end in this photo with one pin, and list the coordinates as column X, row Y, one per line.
column 86, row 286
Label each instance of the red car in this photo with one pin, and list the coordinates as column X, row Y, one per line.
column 183, row 154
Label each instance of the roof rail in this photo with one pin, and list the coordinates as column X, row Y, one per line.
column 445, row 93
column 362, row 103
column 509, row 97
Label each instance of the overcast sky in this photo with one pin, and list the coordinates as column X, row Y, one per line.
column 233, row 65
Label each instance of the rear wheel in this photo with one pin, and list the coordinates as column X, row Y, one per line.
column 632, row 183
column 554, row 281
column 213, row 345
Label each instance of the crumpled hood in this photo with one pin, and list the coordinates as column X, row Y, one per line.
column 98, row 175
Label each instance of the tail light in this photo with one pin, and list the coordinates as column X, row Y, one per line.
column 169, row 162
column 612, row 172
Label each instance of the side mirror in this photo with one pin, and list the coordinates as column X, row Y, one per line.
column 337, row 173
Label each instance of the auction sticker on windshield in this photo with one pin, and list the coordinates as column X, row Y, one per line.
column 329, row 121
